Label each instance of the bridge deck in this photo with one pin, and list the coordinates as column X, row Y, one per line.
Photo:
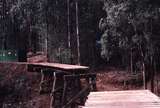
column 123, row 99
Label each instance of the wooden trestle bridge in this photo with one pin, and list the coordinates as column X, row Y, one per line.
column 74, row 86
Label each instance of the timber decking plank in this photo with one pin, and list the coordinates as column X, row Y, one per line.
column 61, row 66
column 56, row 66
column 123, row 99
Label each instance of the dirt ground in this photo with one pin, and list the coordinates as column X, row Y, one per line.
column 116, row 79
column 113, row 79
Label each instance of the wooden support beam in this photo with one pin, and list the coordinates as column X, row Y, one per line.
column 91, row 80
column 41, row 82
column 53, row 90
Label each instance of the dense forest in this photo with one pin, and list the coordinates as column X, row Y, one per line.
column 51, row 27
column 131, row 34
column 123, row 34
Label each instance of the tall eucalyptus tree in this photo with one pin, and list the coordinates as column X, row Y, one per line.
column 132, row 24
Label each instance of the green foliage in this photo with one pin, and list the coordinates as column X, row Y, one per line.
column 130, row 24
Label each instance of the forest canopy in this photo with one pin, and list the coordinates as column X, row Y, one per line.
column 131, row 26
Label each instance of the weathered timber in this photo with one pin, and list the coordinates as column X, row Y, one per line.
column 82, row 93
column 123, row 99
column 57, row 66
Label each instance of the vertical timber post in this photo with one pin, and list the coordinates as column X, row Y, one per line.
column 52, row 102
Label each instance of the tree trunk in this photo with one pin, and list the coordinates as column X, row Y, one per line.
column 131, row 59
column 144, row 75
column 68, row 22
column 47, row 36
column 4, row 17
column 152, row 74
column 152, row 62
column 21, row 40
column 143, row 68
column 77, row 32
column 69, row 31
column 22, row 48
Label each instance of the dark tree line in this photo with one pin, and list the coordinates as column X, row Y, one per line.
column 42, row 25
